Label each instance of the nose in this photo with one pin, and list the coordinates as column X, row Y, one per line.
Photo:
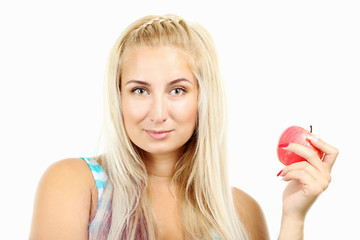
column 158, row 110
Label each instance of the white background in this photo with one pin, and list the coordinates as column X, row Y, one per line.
column 284, row 63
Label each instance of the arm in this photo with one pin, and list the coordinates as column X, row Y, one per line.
column 251, row 215
column 308, row 179
column 63, row 202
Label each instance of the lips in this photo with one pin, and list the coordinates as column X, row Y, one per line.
column 158, row 134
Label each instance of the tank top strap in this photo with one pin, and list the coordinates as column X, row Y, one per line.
column 98, row 173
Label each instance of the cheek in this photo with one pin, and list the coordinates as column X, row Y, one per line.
column 185, row 112
column 132, row 112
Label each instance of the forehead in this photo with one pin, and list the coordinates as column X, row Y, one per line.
column 161, row 60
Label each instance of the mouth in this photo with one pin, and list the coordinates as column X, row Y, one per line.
column 158, row 134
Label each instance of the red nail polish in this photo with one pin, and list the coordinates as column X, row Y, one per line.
column 279, row 173
column 283, row 145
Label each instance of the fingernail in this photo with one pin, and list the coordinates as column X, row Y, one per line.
column 279, row 173
column 283, row 145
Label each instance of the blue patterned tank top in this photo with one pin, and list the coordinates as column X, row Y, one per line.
column 100, row 178
column 98, row 173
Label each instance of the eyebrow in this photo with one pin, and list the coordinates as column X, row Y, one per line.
column 148, row 84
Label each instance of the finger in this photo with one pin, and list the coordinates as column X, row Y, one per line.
column 322, row 179
column 300, row 175
column 310, row 186
column 307, row 153
column 301, row 166
column 331, row 152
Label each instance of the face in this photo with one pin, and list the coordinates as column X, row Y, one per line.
column 159, row 99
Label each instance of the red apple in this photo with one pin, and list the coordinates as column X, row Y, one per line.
column 294, row 134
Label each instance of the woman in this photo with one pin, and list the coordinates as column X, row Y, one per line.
column 163, row 173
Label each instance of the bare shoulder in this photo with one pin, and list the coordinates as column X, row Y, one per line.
column 63, row 201
column 246, row 205
column 67, row 166
column 67, row 172
column 250, row 214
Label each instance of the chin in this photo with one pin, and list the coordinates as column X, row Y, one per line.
column 161, row 148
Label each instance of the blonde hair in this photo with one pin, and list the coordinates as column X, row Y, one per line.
column 124, row 211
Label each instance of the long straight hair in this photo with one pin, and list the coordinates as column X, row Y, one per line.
column 205, row 199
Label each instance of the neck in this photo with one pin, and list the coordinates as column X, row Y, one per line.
column 161, row 167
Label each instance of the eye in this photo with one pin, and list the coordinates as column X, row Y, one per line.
column 178, row 91
column 139, row 91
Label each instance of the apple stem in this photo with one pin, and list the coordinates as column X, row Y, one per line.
column 310, row 128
